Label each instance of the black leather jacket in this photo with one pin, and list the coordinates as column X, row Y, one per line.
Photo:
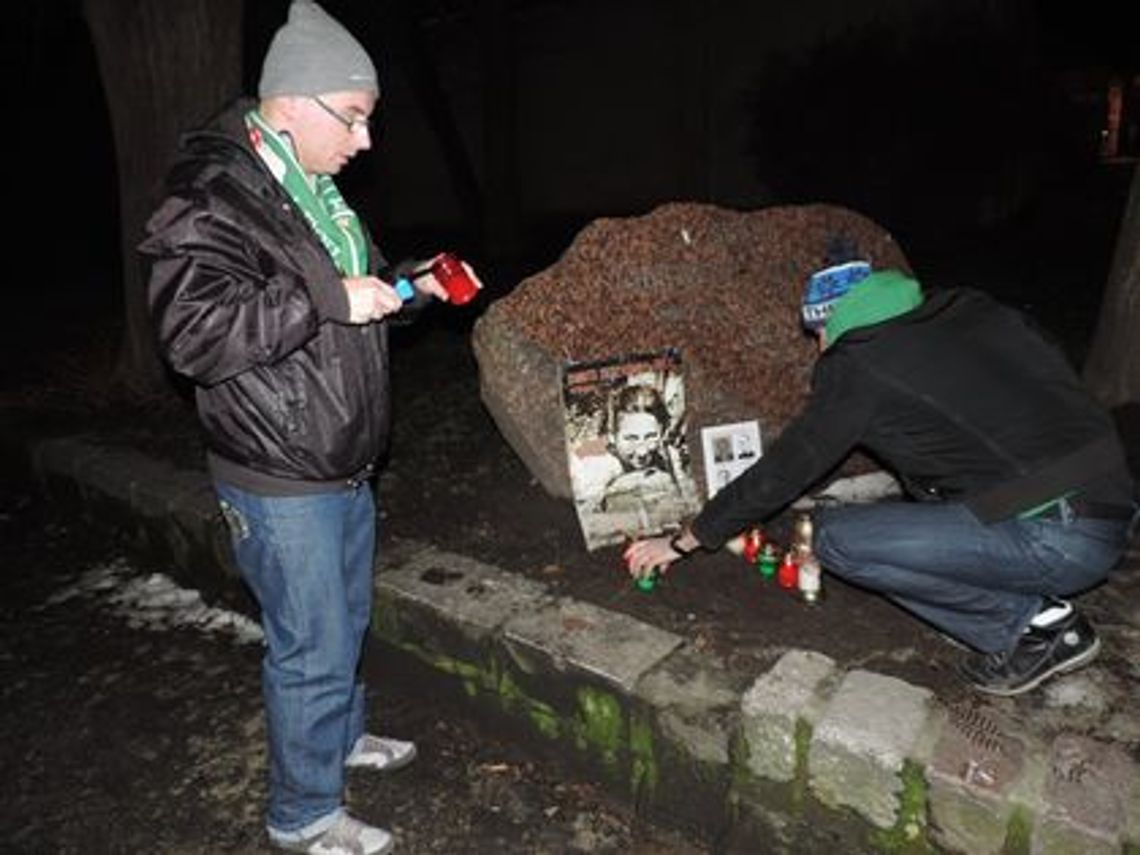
column 961, row 398
column 248, row 304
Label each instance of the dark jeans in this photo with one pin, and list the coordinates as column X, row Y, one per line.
column 978, row 583
column 308, row 559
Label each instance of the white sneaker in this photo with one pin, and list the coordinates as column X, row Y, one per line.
column 380, row 753
column 346, row 836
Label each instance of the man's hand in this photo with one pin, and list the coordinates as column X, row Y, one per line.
column 643, row 556
column 425, row 282
column 370, row 299
column 431, row 285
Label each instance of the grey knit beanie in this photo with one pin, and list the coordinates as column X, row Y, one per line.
column 312, row 54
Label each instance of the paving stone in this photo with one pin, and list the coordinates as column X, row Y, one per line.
column 1090, row 788
column 196, row 504
column 977, row 762
column 790, row 691
column 570, row 634
column 154, row 491
column 1122, row 726
column 395, row 552
column 1084, row 692
column 470, row 596
column 692, row 707
column 697, row 700
column 1055, row 838
column 195, row 534
column 872, row 724
column 107, row 472
column 1132, row 820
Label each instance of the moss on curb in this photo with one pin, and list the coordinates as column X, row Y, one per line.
column 909, row 833
column 1018, row 833
column 542, row 715
column 473, row 677
column 644, row 773
column 803, row 734
column 740, row 775
column 600, row 725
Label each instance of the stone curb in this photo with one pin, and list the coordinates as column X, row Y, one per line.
column 802, row 758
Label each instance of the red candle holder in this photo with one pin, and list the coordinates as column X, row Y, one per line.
column 449, row 271
column 788, row 576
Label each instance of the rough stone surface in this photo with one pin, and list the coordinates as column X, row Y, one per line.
column 1079, row 690
column 871, row 725
column 174, row 511
column 723, row 286
column 790, row 691
column 112, row 471
column 1054, row 838
column 697, row 700
column 471, row 594
column 1089, row 789
column 976, row 763
column 521, row 388
column 153, row 492
column 197, row 508
column 446, row 610
column 575, row 635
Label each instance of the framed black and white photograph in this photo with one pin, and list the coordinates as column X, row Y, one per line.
column 630, row 465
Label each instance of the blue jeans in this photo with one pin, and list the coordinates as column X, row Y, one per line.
column 308, row 560
column 978, row 583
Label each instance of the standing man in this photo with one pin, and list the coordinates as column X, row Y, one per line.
column 1022, row 492
column 267, row 292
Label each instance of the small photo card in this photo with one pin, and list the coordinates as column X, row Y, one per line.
column 729, row 449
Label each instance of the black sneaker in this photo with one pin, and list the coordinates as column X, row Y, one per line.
column 1040, row 653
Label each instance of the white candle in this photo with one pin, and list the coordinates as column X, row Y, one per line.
column 809, row 582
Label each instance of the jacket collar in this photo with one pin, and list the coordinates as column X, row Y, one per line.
column 937, row 303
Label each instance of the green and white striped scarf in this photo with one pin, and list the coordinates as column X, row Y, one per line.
column 317, row 196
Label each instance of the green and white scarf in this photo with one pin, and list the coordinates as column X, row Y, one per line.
column 331, row 219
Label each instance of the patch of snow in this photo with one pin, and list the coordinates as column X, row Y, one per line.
column 155, row 602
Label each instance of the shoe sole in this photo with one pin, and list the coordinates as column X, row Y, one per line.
column 304, row 845
column 391, row 767
column 1060, row 668
column 386, row 849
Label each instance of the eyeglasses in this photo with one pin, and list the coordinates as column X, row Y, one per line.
column 351, row 123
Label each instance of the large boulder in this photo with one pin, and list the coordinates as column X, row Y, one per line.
column 723, row 286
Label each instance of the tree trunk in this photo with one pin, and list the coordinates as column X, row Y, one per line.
column 166, row 65
column 1112, row 370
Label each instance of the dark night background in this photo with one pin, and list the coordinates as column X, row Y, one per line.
column 971, row 130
